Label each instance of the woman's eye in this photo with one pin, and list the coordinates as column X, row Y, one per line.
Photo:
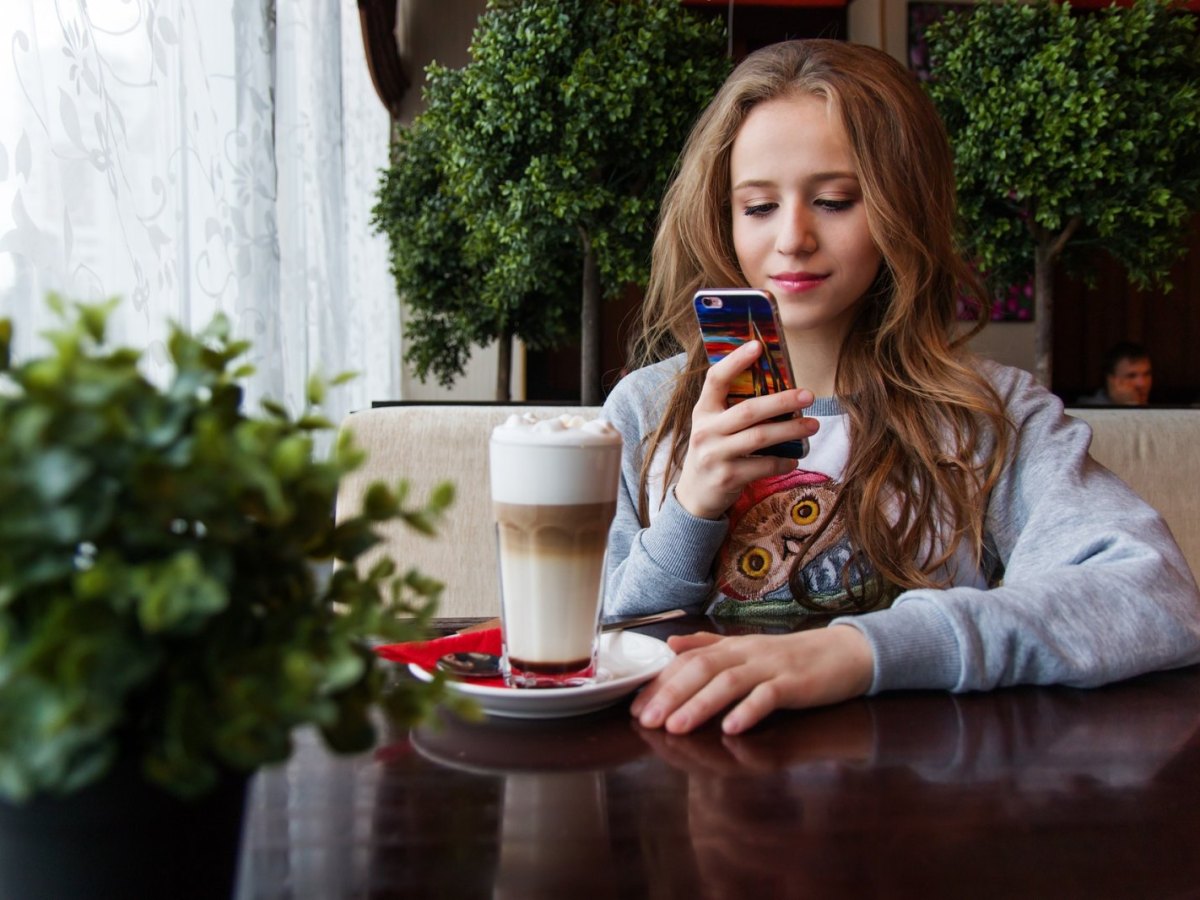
column 834, row 205
column 758, row 209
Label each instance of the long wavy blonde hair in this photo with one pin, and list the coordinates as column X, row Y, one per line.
column 928, row 435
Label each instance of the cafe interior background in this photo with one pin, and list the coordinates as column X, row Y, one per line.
column 226, row 158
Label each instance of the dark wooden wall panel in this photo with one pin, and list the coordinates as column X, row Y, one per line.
column 1088, row 320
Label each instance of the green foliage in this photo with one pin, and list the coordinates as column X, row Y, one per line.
column 158, row 594
column 1082, row 129
column 567, row 122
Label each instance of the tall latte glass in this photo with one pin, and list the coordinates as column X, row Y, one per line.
column 554, row 491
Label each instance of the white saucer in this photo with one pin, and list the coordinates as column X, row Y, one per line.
column 627, row 660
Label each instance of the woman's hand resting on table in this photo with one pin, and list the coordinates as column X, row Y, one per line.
column 759, row 673
column 719, row 460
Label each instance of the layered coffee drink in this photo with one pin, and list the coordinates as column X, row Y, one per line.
column 554, row 489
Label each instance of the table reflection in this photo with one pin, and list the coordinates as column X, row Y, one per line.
column 553, row 834
column 901, row 796
column 1061, row 792
column 1040, row 739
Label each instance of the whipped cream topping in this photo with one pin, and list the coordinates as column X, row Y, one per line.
column 527, row 428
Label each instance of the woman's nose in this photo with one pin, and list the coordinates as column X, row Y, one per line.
column 797, row 234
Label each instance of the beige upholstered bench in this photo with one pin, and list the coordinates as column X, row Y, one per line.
column 1155, row 451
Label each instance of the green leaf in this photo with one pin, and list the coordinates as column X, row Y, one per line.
column 442, row 496
column 178, row 594
column 6, row 334
column 59, row 471
column 315, row 393
column 379, row 502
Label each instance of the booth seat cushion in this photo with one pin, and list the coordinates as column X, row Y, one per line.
column 1153, row 450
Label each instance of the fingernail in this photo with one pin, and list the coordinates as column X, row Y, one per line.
column 651, row 717
column 679, row 723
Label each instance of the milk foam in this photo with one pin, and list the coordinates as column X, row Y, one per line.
column 564, row 429
column 529, row 467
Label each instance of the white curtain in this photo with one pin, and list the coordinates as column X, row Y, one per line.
column 195, row 156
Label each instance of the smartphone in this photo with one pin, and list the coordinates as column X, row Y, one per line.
column 729, row 317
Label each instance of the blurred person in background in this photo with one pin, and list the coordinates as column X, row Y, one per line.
column 1127, row 377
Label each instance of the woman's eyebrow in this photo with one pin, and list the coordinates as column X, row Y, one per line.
column 815, row 177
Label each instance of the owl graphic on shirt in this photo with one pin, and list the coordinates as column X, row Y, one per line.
column 787, row 551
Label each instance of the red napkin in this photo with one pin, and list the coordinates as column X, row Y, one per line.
column 426, row 653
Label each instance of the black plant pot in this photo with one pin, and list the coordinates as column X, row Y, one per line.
column 122, row 838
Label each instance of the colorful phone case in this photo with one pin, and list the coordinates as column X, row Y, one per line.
column 730, row 317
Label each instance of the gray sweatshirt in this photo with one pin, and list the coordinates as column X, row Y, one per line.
column 1094, row 588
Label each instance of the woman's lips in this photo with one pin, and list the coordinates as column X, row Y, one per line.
column 796, row 282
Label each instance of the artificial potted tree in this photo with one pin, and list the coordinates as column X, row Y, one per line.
column 527, row 192
column 165, row 620
column 1073, row 133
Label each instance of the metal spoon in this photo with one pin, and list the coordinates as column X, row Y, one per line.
column 474, row 664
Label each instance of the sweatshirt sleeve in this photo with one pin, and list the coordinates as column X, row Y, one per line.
column 1095, row 588
column 668, row 564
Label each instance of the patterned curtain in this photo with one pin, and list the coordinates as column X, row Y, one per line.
column 195, row 156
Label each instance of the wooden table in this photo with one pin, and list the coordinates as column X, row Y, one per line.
column 1026, row 792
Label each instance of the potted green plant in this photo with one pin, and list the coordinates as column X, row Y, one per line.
column 166, row 618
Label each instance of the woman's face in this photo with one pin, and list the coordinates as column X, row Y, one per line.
column 799, row 223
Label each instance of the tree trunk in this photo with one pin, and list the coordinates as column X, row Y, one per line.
column 504, row 367
column 1043, row 311
column 589, row 326
column 1047, row 249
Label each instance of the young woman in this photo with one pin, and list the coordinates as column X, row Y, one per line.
column 948, row 519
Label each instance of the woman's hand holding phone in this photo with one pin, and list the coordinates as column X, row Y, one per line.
column 720, row 458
